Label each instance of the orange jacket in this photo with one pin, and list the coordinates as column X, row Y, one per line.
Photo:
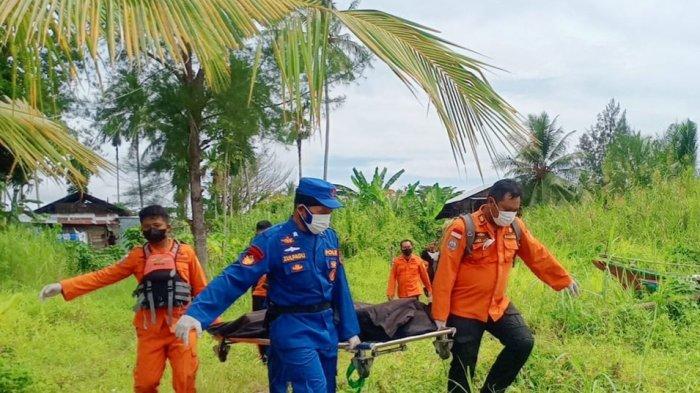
column 408, row 273
column 260, row 288
column 133, row 264
column 473, row 285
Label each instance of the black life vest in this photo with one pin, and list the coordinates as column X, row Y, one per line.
column 161, row 285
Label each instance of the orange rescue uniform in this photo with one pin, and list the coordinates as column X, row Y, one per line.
column 260, row 288
column 155, row 342
column 473, row 285
column 408, row 273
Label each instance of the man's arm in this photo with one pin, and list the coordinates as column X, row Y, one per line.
column 198, row 278
column 425, row 279
column 342, row 301
column 231, row 283
column 85, row 283
column 391, row 285
column 541, row 261
column 451, row 253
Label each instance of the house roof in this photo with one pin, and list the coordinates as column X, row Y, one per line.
column 470, row 193
column 78, row 203
column 458, row 205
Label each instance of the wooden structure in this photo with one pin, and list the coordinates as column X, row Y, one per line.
column 466, row 202
column 85, row 218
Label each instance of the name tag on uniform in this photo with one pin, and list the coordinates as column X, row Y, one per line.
column 294, row 257
column 331, row 252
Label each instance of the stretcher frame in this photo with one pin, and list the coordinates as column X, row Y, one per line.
column 365, row 352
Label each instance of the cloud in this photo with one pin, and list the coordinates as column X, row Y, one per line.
column 566, row 58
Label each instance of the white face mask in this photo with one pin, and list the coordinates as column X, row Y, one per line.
column 318, row 223
column 504, row 219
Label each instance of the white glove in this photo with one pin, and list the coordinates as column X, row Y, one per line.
column 183, row 327
column 573, row 289
column 50, row 290
column 353, row 342
column 440, row 324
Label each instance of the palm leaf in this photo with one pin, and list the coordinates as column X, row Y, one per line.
column 39, row 144
column 455, row 84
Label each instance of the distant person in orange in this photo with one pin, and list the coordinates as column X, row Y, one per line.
column 169, row 276
column 470, row 286
column 259, row 292
column 408, row 272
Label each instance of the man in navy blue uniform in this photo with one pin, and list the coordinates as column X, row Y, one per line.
column 310, row 307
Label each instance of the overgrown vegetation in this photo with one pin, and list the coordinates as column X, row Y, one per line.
column 607, row 340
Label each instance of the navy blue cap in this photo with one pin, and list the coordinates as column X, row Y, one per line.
column 321, row 190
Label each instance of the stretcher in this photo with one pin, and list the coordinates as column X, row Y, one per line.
column 384, row 328
column 364, row 353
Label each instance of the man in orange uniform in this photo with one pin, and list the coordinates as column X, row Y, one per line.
column 470, row 287
column 156, row 340
column 408, row 270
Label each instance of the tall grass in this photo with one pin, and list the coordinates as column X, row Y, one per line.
column 608, row 340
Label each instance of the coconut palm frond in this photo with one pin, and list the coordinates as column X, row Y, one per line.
column 39, row 144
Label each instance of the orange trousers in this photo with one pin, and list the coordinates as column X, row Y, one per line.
column 156, row 344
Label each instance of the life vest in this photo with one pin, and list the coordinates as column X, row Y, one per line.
column 161, row 285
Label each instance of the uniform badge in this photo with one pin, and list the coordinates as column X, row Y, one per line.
column 291, row 249
column 331, row 275
column 331, row 252
column 297, row 267
column 287, row 240
column 452, row 244
column 253, row 255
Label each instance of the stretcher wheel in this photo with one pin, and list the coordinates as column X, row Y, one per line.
column 362, row 363
column 443, row 346
column 222, row 350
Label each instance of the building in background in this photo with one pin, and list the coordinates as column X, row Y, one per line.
column 86, row 218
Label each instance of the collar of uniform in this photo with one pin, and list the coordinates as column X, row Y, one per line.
column 412, row 258
column 481, row 220
column 161, row 250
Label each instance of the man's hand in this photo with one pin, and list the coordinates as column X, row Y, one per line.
column 50, row 290
column 440, row 324
column 389, row 298
column 353, row 342
column 573, row 289
column 183, row 327
column 430, row 298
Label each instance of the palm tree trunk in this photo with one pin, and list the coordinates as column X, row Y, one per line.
column 118, row 193
column 138, row 169
column 199, row 229
column 328, row 131
column 299, row 153
column 36, row 189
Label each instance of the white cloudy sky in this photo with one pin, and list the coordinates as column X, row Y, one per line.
column 566, row 58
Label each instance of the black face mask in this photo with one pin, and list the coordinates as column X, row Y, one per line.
column 407, row 252
column 154, row 235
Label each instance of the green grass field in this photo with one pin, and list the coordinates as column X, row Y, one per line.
column 603, row 341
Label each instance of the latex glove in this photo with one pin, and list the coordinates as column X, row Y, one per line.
column 573, row 289
column 353, row 342
column 184, row 326
column 50, row 290
column 440, row 324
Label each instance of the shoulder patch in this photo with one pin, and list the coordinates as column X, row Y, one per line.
column 252, row 256
column 452, row 244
